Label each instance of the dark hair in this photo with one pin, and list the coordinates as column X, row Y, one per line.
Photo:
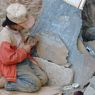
column 78, row 93
column 7, row 22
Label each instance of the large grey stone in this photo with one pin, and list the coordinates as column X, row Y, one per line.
column 92, row 82
column 58, row 75
column 89, row 91
column 52, row 48
column 88, row 34
column 88, row 16
column 65, row 21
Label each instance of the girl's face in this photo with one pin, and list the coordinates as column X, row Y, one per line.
column 16, row 27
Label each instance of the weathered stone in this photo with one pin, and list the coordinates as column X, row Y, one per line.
column 92, row 82
column 88, row 17
column 58, row 75
column 52, row 48
column 89, row 91
column 65, row 21
column 88, row 34
column 81, row 46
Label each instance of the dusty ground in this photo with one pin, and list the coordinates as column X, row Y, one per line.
column 43, row 91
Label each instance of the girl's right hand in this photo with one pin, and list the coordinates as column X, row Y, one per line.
column 27, row 48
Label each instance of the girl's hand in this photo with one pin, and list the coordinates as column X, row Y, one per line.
column 32, row 41
column 27, row 48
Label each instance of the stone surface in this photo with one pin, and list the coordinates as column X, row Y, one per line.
column 88, row 34
column 88, row 16
column 81, row 46
column 65, row 21
column 92, row 82
column 58, row 75
column 52, row 48
column 89, row 91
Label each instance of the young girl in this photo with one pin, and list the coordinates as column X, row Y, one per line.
column 16, row 66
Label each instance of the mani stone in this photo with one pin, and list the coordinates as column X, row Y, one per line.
column 58, row 75
column 65, row 21
column 52, row 48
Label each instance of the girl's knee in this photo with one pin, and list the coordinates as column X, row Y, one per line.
column 32, row 86
column 44, row 79
column 24, row 86
column 36, row 85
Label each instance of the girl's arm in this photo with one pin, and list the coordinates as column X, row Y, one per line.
column 10, row 55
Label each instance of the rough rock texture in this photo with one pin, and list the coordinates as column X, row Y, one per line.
column 92, row 81
column 89, row 91
column 89, row 34
column 58, row 75
column 88, row 16
column 52, row 48
column 65, row 21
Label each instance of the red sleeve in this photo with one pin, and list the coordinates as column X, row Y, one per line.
column 10, row 55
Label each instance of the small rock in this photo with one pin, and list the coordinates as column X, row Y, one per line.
column 75, row 85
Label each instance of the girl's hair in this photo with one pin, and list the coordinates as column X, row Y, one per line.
column 7, row 22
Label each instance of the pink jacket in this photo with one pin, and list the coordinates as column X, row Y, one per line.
column 10, row 54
